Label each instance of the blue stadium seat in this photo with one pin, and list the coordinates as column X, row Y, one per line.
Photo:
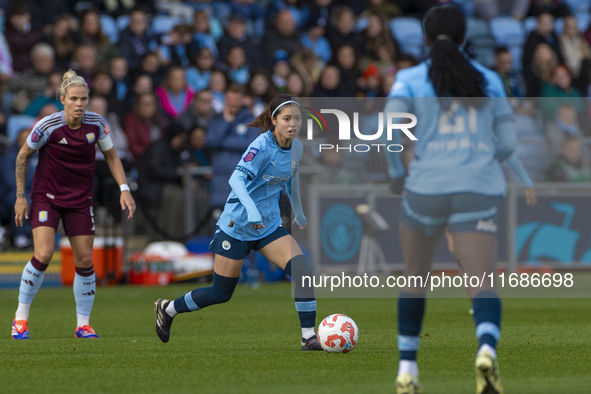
column 16, row 123
column 579, row 6
column 529, row 24
column 109, row 27
column 558, row 26
column 507, row 31
column 361, row 24
column 122, row 22
column 162, row 24
column 409, row 34
column 483, row 43
column 583, row 20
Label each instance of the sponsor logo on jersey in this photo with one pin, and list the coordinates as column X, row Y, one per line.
column 226, row 245
column 90, row 138
column 107, row 129
column 36, row 136
column 63, row 141
column 43, row 216
column 251, row 154
column 50, row 196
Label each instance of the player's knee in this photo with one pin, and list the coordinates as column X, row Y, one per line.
column 84, row 261
column 44, row 256
column 298, row 267
column 223, row 288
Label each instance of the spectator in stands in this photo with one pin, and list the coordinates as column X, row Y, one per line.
column 61, row 38
column 370, row 81
column 544, row 61
column 90, row 32
column 346, row 62
column 236, row 35
column 6, row 70
column 200, row 156
column 556, row 8
column 118, row 69
column 576, row 52
column 135, row 41
column 44, row 13
column 84, row 62
column 174, row 94
column 295, row 85
column 314, row 39
column 22, row 236
column 309, row 66
column 141, row 84
column 143, row 125
column 116, row 8
column 202, row 34
column 199, row 113
column 106, row 190
column 31, row 83
column 199, row 73
column 102, row 84
column 228, row 136
column 543, row 34
column 54, row 81
column 564, row 124
column 20, row 36
column 281, row 69
column 343, row 32
column 329, row 84
column 559, row 91
column 151, row 66
column 377, row 38
column 160, row 185
column 176, row 49
column 236, row 66
column 504, row 67
column 299, row 9
column 570, row 166
column 218, row 83
column 491, row 9
column 261, row 89
column 281, row 35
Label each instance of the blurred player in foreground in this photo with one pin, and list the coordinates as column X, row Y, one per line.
column 465, row 128
column 251, row 220
column 62, row 189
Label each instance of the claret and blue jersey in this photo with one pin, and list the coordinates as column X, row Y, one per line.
column 268, row 168
column 458, row 146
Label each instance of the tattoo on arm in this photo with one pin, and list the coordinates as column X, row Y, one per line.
column 21, row 169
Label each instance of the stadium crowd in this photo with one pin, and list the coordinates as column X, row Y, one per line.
column 178, row 80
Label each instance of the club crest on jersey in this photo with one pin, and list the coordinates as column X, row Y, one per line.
column 43, row 216
column 90, row 138
column 226, row 245
column 251, row 154
column 36, row 136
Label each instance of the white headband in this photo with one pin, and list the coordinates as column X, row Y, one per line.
column 283, row 103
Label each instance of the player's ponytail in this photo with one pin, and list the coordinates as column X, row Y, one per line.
column 70, row 78
column 264, row 120
column 450, row 72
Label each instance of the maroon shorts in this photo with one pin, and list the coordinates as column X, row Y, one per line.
column 76, row 221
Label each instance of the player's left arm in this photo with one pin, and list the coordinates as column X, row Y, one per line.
column 530, row 192
column 116, row 168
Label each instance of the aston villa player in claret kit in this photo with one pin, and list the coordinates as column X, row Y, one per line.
column 62, row 189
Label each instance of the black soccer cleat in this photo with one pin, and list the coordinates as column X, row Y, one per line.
column 311, row 344
column 163, row 319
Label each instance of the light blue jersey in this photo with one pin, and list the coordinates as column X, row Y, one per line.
column 264, row 170
column 458, row 147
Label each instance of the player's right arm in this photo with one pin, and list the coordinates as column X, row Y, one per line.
column 21, row 206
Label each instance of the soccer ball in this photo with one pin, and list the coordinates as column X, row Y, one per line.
column 338, row 333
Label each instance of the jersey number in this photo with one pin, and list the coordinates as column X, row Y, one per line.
column 452, row 123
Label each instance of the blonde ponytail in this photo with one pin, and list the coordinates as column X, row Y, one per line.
column 71, row 78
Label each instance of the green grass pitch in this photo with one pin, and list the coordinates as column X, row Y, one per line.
column 251, row 345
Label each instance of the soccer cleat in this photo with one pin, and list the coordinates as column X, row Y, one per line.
column 488, row 379
column 311, row 344
column 406, row 384
column 20, row 329
column 163, row 319
column 85, row 332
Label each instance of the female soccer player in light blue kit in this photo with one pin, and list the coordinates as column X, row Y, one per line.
column 465, row 128
column 251, row 220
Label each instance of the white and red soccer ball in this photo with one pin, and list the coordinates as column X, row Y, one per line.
column 338, row 333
